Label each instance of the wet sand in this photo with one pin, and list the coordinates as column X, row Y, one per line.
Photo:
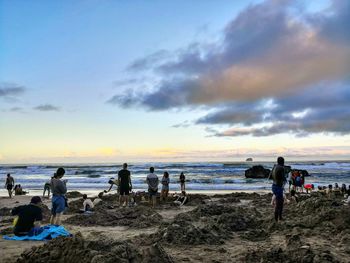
column 236, row 227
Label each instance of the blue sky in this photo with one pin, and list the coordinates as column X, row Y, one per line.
column 70, row 90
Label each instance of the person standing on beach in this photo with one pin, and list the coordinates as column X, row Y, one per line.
column 59, row 190
column 125, row 186
column 182, row 182
column 165, row 186
column 10, row 182
column 152, row 181
column 277, row 187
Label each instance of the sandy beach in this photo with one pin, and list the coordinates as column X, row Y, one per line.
column 236, row 227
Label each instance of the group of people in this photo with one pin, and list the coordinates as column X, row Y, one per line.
column 124, row 185
column 29, row 216
column 12, row 188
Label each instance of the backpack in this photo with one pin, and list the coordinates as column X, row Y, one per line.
column 298, row 181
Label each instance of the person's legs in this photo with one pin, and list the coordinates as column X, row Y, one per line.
column 154, row 201
column 44, row 191
column 280, row 210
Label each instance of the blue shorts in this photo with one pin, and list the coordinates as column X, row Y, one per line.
column 58, row 204
column 277, row 191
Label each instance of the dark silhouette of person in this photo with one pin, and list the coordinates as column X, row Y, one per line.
column 277, row 187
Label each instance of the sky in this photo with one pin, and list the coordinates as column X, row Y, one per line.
column 114, row 81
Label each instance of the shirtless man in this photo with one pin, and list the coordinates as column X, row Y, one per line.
column 10, row 182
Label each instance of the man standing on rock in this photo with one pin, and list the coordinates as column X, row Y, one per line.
column 277, row 187
column 125, row 185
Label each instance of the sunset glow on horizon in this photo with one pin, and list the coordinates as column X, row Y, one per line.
column 115, row 81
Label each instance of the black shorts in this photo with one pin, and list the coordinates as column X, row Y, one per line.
column 152, row 192
column 124, row 190
column 9, row 187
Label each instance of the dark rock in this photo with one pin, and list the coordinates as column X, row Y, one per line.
column 257, row 171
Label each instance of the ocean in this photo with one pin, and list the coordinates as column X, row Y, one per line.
column 200, row 176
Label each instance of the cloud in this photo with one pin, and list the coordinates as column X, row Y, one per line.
column 46, row 107
column 10, row 90
column 149, row 61
column 267, row 53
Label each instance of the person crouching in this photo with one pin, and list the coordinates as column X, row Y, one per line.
column 29, row 217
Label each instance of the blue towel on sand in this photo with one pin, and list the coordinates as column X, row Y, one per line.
column 46, row 233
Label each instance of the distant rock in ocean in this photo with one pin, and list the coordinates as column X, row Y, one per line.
column 257, row 171
column 249, row 159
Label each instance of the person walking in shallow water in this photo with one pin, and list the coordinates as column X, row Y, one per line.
column 277, row 187
column 10, row 182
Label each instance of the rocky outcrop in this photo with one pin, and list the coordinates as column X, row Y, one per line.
column 257, row 171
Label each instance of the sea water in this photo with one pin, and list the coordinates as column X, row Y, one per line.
column 200, row 176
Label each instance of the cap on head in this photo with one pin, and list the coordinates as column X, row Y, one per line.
column 35, row 200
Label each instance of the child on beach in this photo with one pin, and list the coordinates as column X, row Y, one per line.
column 88, row 205
column 181, row 199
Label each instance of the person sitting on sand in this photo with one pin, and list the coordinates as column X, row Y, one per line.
column 98, row 199
column 152, row 182
column 88, row 205
column 181, row 199
column 309, row 188
column 124, row 182
column 59, row 201
column 19, row 190
column 29, row 217
column 165, row 187
column 10, row 182
column 47, row 187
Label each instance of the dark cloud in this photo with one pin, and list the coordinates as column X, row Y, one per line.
column 272, row 72
column 46, row 107
column 10, row 90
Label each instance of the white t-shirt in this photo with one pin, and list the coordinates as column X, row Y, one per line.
column 89, row 203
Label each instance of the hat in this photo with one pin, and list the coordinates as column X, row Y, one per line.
column 35, row 200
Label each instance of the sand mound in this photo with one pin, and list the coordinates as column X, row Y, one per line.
column 139, row 217
column 78, row 250
column 208, row 224
column 74, row 194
